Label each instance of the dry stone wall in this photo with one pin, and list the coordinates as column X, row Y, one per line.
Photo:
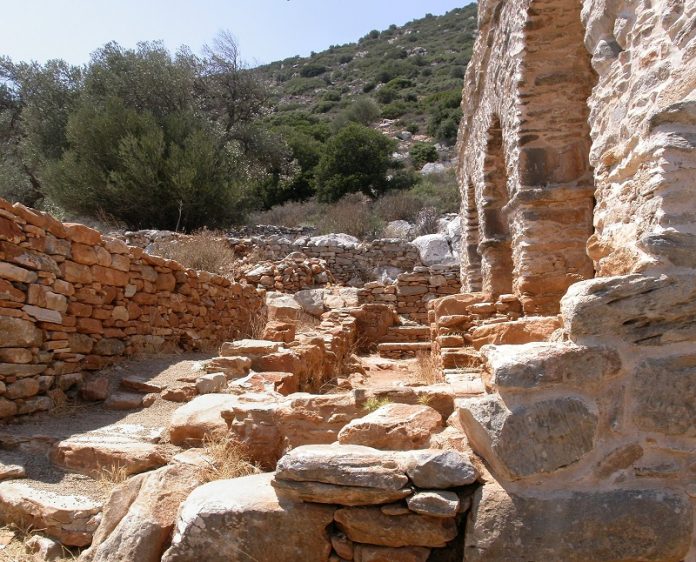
column 72, row 300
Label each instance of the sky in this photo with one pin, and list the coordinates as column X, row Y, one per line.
column 266, row 30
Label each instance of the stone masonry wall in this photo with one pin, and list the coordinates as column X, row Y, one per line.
column 72, row 300
column 411, row 292
column 587, row 432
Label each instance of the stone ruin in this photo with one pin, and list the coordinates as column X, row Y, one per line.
column 556, row 419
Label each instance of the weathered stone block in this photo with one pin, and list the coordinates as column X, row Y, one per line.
column 531, row 439
column 609, row 526
column 538, row 364
column 19, row 333
column 664, row 391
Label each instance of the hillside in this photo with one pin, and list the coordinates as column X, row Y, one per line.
column 413, row 73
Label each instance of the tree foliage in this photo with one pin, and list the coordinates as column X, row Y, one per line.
column 356, row 159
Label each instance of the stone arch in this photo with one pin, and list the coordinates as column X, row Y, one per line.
column 495, row 244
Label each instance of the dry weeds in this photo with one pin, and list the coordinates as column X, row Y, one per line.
column 228, row 459
column 111, row 476
column 373, row 403
column 13, row 541
column 427, row 370
column 204, row 250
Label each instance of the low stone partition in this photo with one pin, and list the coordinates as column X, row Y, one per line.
column 72, row 300
column 411, row 292
column 347, row 258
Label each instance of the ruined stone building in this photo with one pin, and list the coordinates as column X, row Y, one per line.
column 578, row 180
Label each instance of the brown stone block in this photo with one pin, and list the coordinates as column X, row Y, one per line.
column 9, row 230
column 83, row 254
column 82, row 234
column 79, row 309
column 89, row 326
column 76, row 273
column 109, row 276
column 8, row 292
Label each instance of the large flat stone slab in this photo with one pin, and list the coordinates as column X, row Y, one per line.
column 343, row 465
column 201, row 417
column 245, row 519
column 71, row 519
column 132, row 448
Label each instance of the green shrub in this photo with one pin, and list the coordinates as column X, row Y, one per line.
column 312, row 70
column 423, row 152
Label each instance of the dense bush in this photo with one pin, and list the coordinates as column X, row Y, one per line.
column 357, row 158
column 423, row 152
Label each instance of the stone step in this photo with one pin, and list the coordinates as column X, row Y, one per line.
column 407, row 333
column 401, row 349
column 460, row 357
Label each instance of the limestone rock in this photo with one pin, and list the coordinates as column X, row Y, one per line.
column 432, row 468
column 434, row 249
column 124, row 401
column 249, row 347
column 11, row 471
column 282, row 307
column 535, row 365
column 43, row 548
column 393, row 427
column 95, row 389
column 318, row 492
column 369, row 525
column 70, row 518
column 344, row 465
column 244, row 519
column 524, row 330
column 129, row 447
column 610, row 526
column 645, row 310
column 193, row 421
column 139, row 516
column 210, row 383
column 536, row 438
column 436, row 503
column 311, row 301
column 233, row 367
column 19, row 333
column 334, row 240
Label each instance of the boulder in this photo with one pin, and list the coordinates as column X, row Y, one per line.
column 201, row 417
column 334, row 240
column 245, row 519
column 71, row 519
column 282, row 307
column 396, row 427
column 233, row 367
column 434, row 249
column 211, row 383
column 11, row 471
column 249, row 347
column 43, row 548
column 139, row 516
column 311, row 301
column 399, row 229
column 620, row 525
column 531, row 439
column 370, row 525
column 433, row 468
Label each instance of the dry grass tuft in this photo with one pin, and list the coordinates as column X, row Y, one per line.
column 228, row 459
column 373, row 403
column 427, row 370
column 111, row 476
column 204, row 250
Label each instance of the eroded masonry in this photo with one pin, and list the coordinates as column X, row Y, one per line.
column 547, row 411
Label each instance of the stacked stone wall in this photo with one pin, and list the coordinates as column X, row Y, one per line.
column 72, row 300
column 411, row 292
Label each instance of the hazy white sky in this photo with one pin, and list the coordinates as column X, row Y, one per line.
column 266, row 30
